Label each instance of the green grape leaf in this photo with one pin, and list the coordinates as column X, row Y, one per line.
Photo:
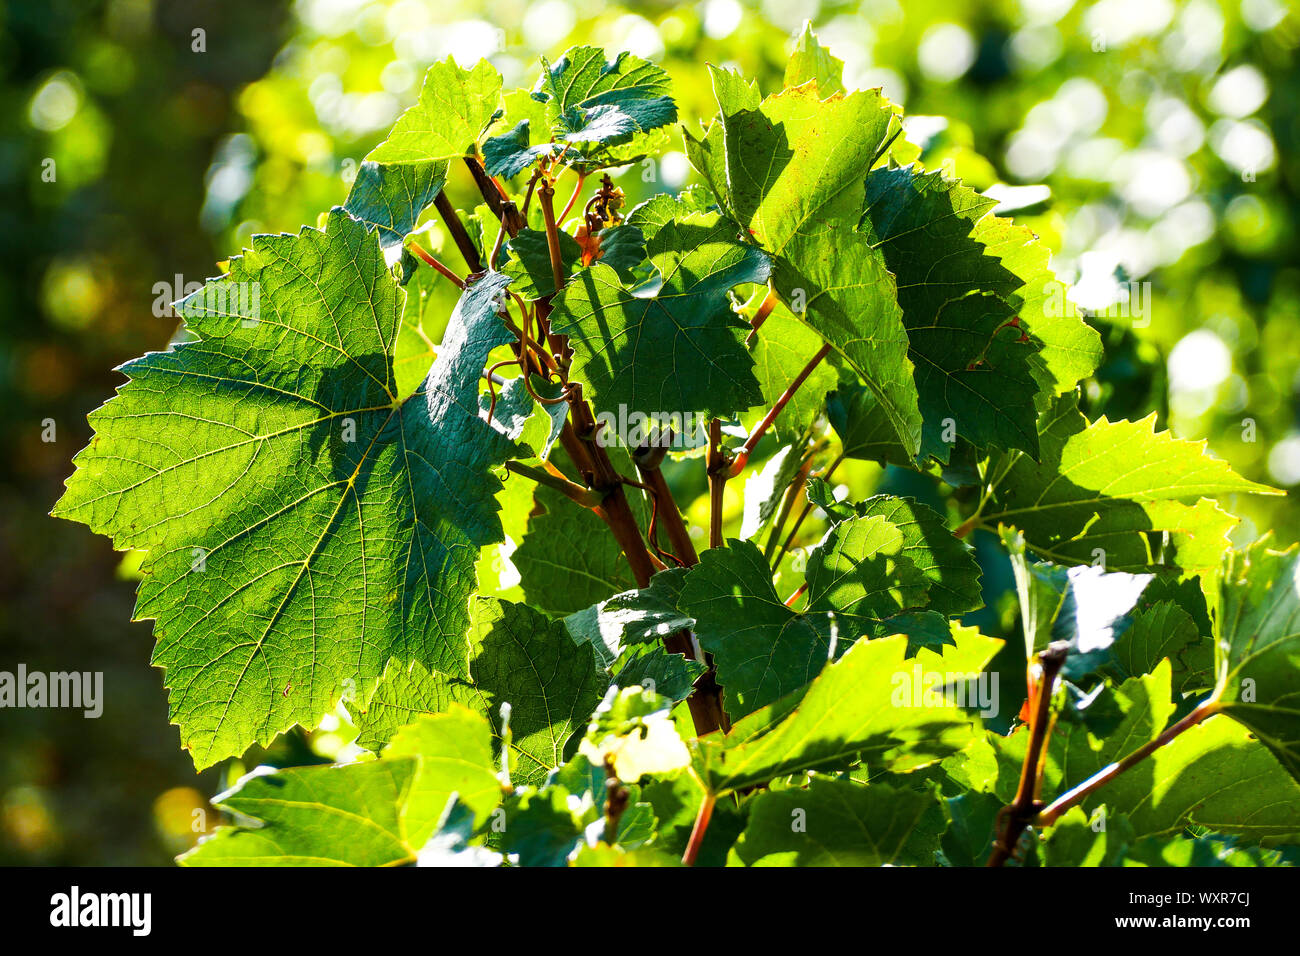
column 454, row 109
column 622, row 248
column 568, row 560
column 766, row 488
column 591, row 101
column 304, row 524
column 864, row 704
column 659, row 210
column 841, row 823
column 972, row 819
column 390, row 199
column 762, row 649
column 378, row 813
column 529, row 262
column 1259, row 647
column 703, row 366
column 811, row 61
column 977, row 375
column 451, row 844
column 667, row 674
column 510, row 153
column 1078, row 840
column 315, row 816
column 946, row 562
column 918, row 218
column 1164, row 631
column 540, row 827
column 1211, row 850
column 521, row 658
column 864, row 572
column 863, row 428
column 1107, row 492
column 632, row 617
column 791, row 172
column 1084, row 606
column 1115, row 723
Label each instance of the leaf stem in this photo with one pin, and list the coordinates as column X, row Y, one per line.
column 580, row 440
column 764, row 310
column 803, row 514
column 428, row 258
column 587, row 497
column 742, row 458
column 582, row 178
column 1053, row 811
column 697, row 832
column 454, row 226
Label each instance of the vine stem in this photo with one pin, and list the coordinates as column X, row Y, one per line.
column 716, row 465
column 742, row 458
column 1018, row 815
column 457, row 229
column 580, row 440
column 1053, row 811
column 647, row 463
column 697, row 832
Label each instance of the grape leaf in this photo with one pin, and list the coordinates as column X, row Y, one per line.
column 659, row 210
column 1076, row 840
column 864, row 572
column 1214, row 775
column 390, row 199
column 592, row 101
column 378, row 813
column 812, row 61
column 855, row 707
column 632, row 617
column 863, row 428
column 942, row 242
column 568, row 560
column 841, row 823
column 454, row 109
column 304, row 525
column 521, row 658
column 1085, row 606
column 1164, row 631
column 510, row 153
column 1109, row 491
column 670, row 675
column 621, row 248
column 791, row 172
column 451, row 845
column 1211, row 850
column 1259, row 647
column 946, row 562
column 702, row 364
column 1114, row 724
column 762, row 649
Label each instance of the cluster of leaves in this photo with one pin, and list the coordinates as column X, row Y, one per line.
column 323, row 497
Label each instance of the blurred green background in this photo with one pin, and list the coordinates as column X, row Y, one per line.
column 135, row 153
